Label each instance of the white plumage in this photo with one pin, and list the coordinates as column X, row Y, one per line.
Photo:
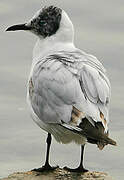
column 68, row 90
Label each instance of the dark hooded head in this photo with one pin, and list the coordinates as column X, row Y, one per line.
column 47, row 22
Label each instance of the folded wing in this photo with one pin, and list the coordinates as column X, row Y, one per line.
column 61, row 84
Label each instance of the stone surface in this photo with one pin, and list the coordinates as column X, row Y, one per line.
column 58, row 174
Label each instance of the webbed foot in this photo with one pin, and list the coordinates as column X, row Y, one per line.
column 80, row 169
column 45, row 168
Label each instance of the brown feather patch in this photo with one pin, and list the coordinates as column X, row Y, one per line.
column 76, row 116
column 103, row 119
column 31, row 88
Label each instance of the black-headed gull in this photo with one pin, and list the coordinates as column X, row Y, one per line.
column 68, row 89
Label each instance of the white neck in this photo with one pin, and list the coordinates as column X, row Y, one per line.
column 43, row 48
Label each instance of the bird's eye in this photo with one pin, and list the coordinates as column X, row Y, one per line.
column 42, row 22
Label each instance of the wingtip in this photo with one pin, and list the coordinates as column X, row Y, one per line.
column 115, row 144
column 112, row 142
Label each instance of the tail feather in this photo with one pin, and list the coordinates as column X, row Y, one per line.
column 111, row 141
column 94, row 134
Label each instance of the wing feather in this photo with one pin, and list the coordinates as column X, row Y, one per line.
column 97, row 89
column 58, row 88
column 79, row 82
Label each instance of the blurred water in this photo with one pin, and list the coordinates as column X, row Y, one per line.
column 99, row 31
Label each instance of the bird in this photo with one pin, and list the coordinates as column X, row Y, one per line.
column 68, row 89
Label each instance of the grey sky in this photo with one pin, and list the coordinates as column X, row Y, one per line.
column 99, row 27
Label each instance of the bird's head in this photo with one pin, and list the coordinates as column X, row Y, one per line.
column 47, row 22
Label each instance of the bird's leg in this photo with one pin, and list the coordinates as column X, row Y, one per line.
column 47, row 166
column 81, row 167
column 48, row 141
